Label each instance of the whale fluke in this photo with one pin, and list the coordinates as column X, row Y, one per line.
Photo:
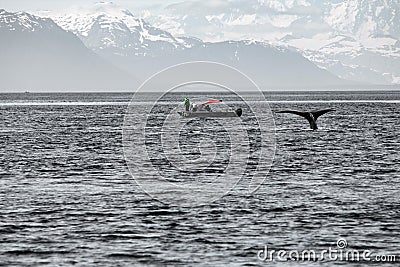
column 311, row 116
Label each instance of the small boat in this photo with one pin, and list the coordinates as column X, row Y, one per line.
column 204, row 111
column 211, row 114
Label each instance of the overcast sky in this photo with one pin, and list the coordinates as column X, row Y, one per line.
column 33, row 5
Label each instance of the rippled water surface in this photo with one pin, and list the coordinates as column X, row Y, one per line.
column 67, row 197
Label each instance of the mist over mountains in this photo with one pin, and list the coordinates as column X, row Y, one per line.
column 107, row 47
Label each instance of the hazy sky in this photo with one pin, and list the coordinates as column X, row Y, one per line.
column 33, row 5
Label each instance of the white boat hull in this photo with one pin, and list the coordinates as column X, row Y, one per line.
column 211, row 114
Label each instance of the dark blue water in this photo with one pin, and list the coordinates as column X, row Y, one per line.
column 67, row 197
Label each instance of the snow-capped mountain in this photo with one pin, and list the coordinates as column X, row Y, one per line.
column 364, row 19
column 107, row 28
column 356, row 40
column 41, row 55
column 36, row 54
column 24, row 22
column 132, row 43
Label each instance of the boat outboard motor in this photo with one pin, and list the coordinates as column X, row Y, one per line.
column 238, row 112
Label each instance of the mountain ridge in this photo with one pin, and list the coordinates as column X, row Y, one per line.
column 129, row 42
column 41, row 56
column 139, row 49
column 336, row 35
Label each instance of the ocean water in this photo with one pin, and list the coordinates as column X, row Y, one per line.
column 67, row 196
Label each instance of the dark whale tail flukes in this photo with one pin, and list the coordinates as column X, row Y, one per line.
column 311, row 116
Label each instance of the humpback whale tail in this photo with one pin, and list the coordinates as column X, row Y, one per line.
column 311, row 116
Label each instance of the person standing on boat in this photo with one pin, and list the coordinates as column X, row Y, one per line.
column 186, row 103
